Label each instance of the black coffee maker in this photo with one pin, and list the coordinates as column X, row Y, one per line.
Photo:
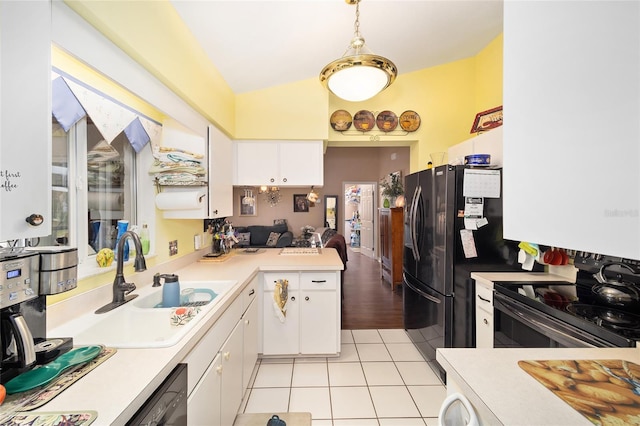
column 26, row 277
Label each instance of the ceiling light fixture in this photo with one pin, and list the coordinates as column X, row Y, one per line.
column 359, row 74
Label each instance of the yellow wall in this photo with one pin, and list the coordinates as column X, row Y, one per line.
column 152, row 33
column 488, row 81
column 293, row 111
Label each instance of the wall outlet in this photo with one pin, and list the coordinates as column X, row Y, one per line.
column 197, row 242
column 173, row 247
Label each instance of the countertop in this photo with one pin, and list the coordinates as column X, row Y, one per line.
column 117, row 388
column 491, row 379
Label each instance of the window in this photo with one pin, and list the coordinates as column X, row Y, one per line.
column 93, row 186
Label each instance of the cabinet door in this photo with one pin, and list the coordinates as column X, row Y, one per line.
column 319, row 327
column 231, row 387
column 385, row 237
column 301, row 163
column 203, row 405
column 484, row 329
column 250, row 348
column 280, row 337
column 25, row 118
column 220, row 174
column 256, row 163
column 484, row 315
column 553, row 68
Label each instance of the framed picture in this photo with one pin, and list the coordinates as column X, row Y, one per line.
column 248, row 205
column 487, row 120
column 300, row 203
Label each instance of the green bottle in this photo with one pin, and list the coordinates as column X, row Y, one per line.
column 144, row 239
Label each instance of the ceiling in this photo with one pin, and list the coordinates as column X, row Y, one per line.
column 265, row 43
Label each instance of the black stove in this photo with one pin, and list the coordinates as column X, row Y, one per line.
column 577, row 306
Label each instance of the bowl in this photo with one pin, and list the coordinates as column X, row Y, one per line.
column 477, row 160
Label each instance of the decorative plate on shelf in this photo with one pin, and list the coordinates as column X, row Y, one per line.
column 387, row 121
column 409, row 121
column 364, row 120
column 340, row 120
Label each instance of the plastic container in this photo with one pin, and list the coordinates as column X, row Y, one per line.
column 145, row 240
column 123, row 225
column 477, row 160
column 170, row 291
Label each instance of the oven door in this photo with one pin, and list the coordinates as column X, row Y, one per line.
column 518, row 325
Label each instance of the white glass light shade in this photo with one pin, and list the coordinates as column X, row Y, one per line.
column 358, row 78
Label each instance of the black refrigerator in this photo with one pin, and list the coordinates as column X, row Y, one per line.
column 453, row 226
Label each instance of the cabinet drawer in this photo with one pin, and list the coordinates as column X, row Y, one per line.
column 270, row 279
column 318, row 281
column 249, row 293
column 484, row 298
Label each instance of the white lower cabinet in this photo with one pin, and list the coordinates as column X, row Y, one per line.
column 220, row 365
column 203, row 404
column 250, row 347
column 484, row 314
column 231, row 387
column 312, row 323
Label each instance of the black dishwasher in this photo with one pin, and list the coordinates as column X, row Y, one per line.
column 168, row 404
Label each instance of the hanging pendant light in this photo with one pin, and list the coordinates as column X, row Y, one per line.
column 359, row 74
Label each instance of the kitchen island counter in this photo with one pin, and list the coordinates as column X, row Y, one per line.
column 119, row 387
column 503, row 393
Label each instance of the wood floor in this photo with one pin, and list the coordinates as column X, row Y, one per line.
column 368, row 301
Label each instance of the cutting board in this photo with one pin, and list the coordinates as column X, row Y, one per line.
column 606, row 392
column 218, row 259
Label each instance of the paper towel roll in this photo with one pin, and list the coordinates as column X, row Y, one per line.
column 188, row 200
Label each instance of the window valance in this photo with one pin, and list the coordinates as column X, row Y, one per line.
column 73, row 99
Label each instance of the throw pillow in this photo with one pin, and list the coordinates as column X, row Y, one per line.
column 244, row 238
column 279, row 221
column 273, row 239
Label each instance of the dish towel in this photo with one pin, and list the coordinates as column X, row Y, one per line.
column 182, row 315
column 280, row 297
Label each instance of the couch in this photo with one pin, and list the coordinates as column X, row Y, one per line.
column 264, row 236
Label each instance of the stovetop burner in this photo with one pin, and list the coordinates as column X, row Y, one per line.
column 607, row 317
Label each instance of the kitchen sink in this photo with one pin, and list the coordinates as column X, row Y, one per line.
column 141, row 323
column 203, row 293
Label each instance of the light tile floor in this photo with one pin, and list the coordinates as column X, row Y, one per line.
column 380, row 379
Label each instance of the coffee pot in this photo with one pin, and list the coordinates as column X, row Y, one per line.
column 18, row 297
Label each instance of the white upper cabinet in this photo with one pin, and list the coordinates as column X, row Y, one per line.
column 571, row 133
column 25, row 118
column 220, row 174
column 279, row 163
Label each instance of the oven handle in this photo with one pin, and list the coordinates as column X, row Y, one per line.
column 515, row 309
column 420, row 292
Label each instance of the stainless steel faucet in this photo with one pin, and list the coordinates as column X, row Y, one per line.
column 121, row 288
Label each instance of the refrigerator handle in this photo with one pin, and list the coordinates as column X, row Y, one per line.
column 414, row 234
column 420, row 292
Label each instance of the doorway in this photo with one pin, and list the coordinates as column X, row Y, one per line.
column 359, row 215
